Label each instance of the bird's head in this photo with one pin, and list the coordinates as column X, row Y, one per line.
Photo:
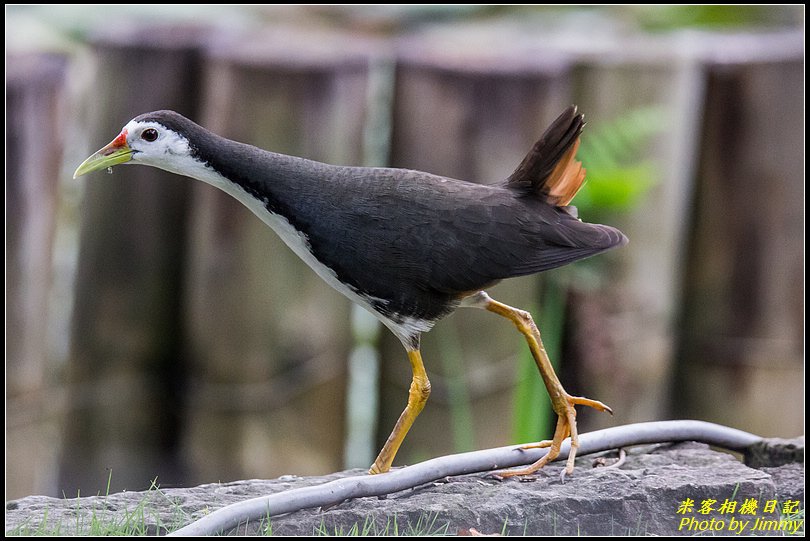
column 147, row 139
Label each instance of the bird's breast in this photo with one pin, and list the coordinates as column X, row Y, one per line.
column 404, row 326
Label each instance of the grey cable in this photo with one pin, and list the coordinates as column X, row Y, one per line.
column 360, row 486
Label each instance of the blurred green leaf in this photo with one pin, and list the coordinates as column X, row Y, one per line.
column 618, row 174
column 617, row 189
column 663, row 18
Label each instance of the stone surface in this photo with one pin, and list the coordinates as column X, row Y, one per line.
column 642, row 496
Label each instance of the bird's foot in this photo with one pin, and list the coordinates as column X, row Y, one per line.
column 566, row 426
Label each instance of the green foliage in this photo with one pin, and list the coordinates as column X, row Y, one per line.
column 458, row 396
column 618, row 175
column 425, row 525
column 797, row 516
column 673, row 17
column 140, row 520
column 531, row 405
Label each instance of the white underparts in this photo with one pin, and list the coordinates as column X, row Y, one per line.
column 476, row 300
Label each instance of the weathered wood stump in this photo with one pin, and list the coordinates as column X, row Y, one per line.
column 34, row 396
column 743, row 313
column 126, row 370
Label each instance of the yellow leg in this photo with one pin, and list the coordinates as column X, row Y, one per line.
column 562, row 403
column 417, row 397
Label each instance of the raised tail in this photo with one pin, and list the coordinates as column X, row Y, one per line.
column 550, row 170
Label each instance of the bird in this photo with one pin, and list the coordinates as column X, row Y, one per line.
column 409, row 246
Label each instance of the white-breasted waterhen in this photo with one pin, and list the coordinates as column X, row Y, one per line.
column 409, row 246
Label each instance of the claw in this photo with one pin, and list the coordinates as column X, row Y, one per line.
column 566, row 426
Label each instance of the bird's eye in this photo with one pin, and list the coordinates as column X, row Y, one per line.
column 149, row 135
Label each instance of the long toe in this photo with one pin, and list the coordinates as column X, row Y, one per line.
column 566, row 426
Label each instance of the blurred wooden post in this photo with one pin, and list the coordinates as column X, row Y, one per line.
column 469, row 113
column 126, row 370
column 743, row 318
column 34, row 135
column 268, row 339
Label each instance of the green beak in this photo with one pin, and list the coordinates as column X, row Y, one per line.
column 113, row 154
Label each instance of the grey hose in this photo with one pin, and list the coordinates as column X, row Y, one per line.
column 360, row 486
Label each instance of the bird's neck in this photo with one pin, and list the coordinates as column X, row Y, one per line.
column 285, row 192
column 266, row 176
column 289, row 194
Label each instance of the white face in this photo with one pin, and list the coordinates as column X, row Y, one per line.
column 154, row 144
column 149, row 142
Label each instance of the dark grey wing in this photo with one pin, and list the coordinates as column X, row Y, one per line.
column 503, row 237
column 447, row 240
